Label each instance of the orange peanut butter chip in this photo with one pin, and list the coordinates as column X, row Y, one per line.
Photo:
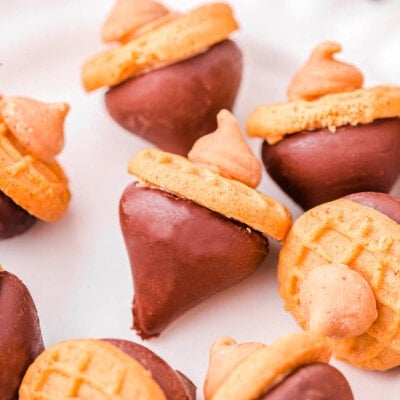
column 226, row 151
column 129, row 16
column 322, row 75
column 337, row 301
column 38, row 126
column 88, row 369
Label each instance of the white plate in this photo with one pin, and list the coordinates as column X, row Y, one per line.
column 77, row 269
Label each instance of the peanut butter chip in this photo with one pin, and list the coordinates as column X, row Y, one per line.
column 225, row 355
column 337, row 301
column 129, row 16
column 322, row 75
column 227, row 152
column 38, row 126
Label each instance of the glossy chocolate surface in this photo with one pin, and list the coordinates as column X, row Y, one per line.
column 20, row 336
column 14, row 220
column 382, row 202
column 174, row 384
column 319, row 166
column 180, row 254
column 175, row 105
column 312, row 382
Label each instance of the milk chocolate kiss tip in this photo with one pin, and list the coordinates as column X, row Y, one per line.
column 181, row 253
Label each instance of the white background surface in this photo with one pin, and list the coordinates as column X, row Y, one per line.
column 77, row 269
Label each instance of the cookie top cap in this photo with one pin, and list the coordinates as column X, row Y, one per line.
column 325, row 93
column 245, row 371
column 128, row 17
column 88, row 369
column 174, row 40
column 31, row 134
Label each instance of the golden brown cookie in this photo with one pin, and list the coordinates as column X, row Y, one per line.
column 272, row 122
column 39, row 187
column 367, row 241
column 87, row 369
column 165, row 44
column 246, row 371
column 203, row 186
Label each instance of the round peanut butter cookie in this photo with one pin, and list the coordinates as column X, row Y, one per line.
column 339, row 274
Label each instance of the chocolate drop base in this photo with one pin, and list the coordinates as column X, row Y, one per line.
column 20, row 335
column 382, row 202
column 175, row 105
column 14, row 220
column 314, row 167
column 180, row 254
column 316, row 381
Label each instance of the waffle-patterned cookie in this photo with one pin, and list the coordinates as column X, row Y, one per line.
column 367, row 241
column 39, row 187
column 207, row 188
column 88, row 369
column 273, row 122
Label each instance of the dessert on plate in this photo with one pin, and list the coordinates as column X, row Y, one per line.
column 195, row 226
column 339, row 275
column 293, row 367
column 32, row 184
column 20, row 335
column 168, row 74
column 332, row 137
column 103, row 369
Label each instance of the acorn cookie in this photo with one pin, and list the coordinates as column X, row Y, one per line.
column 332, row 137
column 109, row 369
column 32, row 184
column 339, row 275
column 168, row 74
column 195, row 226
column 20, row 335
column 293, row 367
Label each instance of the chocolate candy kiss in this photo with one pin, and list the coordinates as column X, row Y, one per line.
column 174, row 384
column 312, row 382
column 319, row 166
column 181, row 253
column 20, row 336
column 382, row 202
column 14, row 220
column 175, row 105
